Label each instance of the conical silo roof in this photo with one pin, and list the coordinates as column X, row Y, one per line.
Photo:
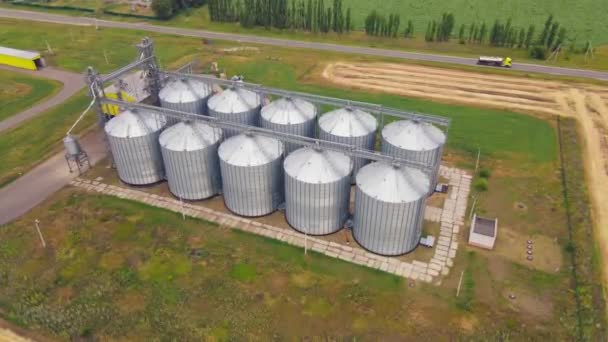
column 250, row 150
column 392, row 183
column 189, row 136
column 413, row 136
column 346, row 122
column 234, row 100
column 184, row 91
column 131, row 124
column 315, row 166
column 289, row 111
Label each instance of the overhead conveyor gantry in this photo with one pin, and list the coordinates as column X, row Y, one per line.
column 155, row 78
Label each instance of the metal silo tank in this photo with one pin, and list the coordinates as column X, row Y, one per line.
column 350, row 126
column 290, row 115
column 418, row 141
column 252, row 174
column 389, row 208
column 186, row 95
column 133, row 139
column 235, row 105
column 189, row 151
column 317, row 190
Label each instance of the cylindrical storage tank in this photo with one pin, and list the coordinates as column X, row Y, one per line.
column 290, row 115
column 417, row 141
column 186, row 95
column 389, row 208
column 189, row 151
column 72, row 147
column 133, row 139
column 235, row 105
column 252, row 174
column 317, row 190
column 350, row 126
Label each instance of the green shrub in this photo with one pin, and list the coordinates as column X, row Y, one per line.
column 481, row 184
column 485, row 173
column 538, row 52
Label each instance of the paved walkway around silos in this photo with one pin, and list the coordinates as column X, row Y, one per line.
column 430, row 271
column 72, row 83
column 31, row 189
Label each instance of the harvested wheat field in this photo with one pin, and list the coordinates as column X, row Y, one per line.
column 588, row 103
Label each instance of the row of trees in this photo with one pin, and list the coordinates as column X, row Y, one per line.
column 377, row 24
column 500, row 34
column 440, row 31
column 307, row 15
column 165, row 9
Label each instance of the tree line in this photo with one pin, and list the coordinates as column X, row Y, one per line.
column 165, row 9
column 306, row 15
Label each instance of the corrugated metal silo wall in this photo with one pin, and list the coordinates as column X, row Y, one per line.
column 305, row 129
column 250, row 118
column 138, row 160
column 431, row 158
column 196, row 107
column 193, row 175
column 316, row 209
column 253, row 190
column 387, row 228
column 365, row 141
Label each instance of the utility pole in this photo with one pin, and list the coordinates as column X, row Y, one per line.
column 36, row 222
column 589, row 52
column 477, row 162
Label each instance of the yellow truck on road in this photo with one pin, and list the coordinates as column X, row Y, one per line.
column 505, row 62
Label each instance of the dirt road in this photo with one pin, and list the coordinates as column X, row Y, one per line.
column 38, row 184
column 588, row 103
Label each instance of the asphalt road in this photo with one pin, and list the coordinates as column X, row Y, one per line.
column 72, row 82
column 62, row 19
column 31, row 189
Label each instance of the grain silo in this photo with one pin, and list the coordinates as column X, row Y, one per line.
column 350, row 126
column 317, row 190
column 133, row 138
column 389, row 208
column 186, row 95
column 235, row 105
column 252, row 174
column 189, row 151
column 417, row 141
column 290, row 115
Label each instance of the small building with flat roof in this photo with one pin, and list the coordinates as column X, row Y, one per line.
column 20, row 58
column 483, row 232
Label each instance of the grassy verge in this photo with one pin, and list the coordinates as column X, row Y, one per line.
column 199, row 19
column 18, row 92
column 582, row 248
column 30, row 143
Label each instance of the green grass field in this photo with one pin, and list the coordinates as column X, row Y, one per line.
column 18, row 92
column 116, row 269
column 75, row 48
column 28, row 144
